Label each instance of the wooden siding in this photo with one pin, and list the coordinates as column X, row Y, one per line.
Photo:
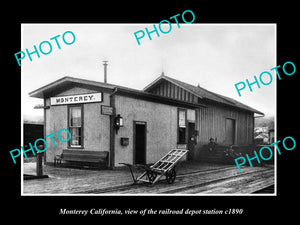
column 170, row 90
column 211, row 123
column 211, row 120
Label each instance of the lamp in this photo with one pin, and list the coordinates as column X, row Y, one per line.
column 118, row 122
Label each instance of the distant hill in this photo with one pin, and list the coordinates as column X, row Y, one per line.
column 33, row 119
column 266, row 121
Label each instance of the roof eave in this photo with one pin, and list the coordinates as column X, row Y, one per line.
column 157, row 98
column 40, row 92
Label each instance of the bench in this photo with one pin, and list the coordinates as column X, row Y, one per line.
column 98, row 158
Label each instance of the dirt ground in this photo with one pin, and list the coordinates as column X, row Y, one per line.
column 65, row 181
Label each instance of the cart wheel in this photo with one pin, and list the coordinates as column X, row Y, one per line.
column 151, row 176
column 171, row 176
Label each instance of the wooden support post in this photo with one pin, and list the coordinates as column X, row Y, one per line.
column 39, row 164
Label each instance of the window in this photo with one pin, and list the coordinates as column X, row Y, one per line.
column 181, row 126
column 75, row 126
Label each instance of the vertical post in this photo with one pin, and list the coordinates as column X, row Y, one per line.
column 44, row 127
column 105, row 71
column 112, row 142
column 39, row 164
column 112, row 132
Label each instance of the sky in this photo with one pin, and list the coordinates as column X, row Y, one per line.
column 215, row 56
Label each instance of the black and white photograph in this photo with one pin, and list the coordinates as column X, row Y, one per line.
column 177, row 113
column 150, row 113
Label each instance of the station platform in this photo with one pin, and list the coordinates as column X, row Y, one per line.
column 192, row 178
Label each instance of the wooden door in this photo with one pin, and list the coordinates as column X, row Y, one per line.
column 139, row 142
column 230, row 131
column 191, row 140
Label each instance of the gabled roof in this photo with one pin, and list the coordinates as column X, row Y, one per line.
column 66, row 82
column 202, row 93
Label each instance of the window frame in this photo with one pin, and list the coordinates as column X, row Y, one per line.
column 81, row 127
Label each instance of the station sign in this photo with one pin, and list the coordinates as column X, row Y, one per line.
column 77, row 99
column 107, row 110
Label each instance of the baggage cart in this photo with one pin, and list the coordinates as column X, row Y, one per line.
column 163, row 167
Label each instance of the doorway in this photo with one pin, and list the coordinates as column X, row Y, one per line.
column 191, row 141
column 230, row 131
column 139, row 148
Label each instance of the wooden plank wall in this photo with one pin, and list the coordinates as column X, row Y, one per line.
column 170, row 90
column 211, row 123
column 211, row 120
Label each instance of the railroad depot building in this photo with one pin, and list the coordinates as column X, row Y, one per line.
column 138, row 127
